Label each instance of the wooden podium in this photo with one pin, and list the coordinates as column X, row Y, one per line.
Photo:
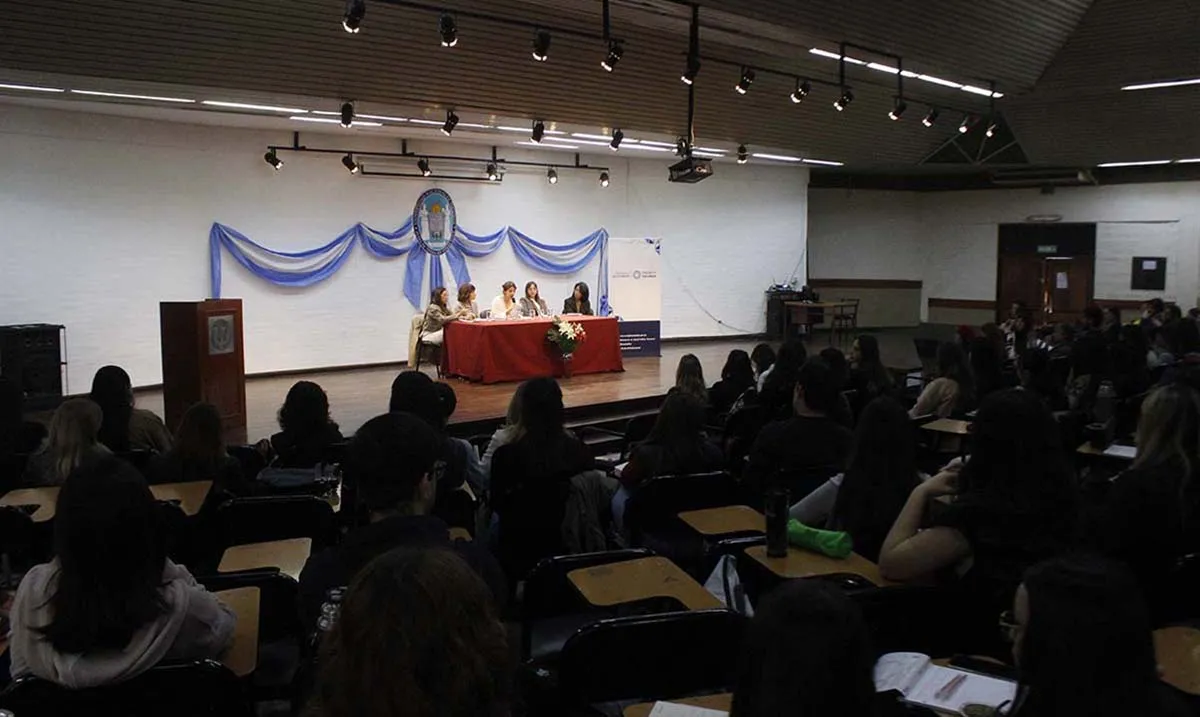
column 203, row 360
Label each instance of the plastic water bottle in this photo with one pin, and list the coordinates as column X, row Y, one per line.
column 330, row 609
column 1105, row 399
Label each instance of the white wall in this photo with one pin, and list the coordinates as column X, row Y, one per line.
column 953, row 235
column 104, row 217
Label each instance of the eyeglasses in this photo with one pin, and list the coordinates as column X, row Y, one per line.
column 1009, row 625
column 438, row 470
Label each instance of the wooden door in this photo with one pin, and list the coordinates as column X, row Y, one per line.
column 1068, row 286
column 1020, row 279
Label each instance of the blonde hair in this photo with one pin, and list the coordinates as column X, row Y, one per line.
column 513, row 418
column 73, row 432
column 1168, row 431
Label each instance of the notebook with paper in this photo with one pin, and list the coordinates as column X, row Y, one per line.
column 674, row 709
column 945, row 689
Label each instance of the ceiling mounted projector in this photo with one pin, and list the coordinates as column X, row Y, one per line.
column 690, row 170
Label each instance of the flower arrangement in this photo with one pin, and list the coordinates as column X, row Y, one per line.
column 566, row 335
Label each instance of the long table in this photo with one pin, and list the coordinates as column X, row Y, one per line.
column 514, row 350
column 189, row 496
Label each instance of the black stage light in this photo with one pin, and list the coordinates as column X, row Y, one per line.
column 448, row 29
column 493, row 173
column 539, row 131
column 451, row 123
column 352, row 19
column 604, row 179
column 615, row 52
column 350, row 165
column 801, row 91
column 541, row 45
column 617, row 137
column 742, row 155
column 841, row 103
column 423, row 165
column 930, row 117
column 552, row 175
column 272, row 159
column 693, row 68
column 966, row 124
column 747, row 79
column 347, row 114
column 898, row 109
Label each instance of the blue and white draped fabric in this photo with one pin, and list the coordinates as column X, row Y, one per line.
column 305, row 268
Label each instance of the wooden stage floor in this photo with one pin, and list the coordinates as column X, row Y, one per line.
column 358, row 394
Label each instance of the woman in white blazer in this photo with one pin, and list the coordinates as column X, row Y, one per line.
column 505, row 306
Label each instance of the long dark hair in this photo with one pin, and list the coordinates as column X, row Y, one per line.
column 878, row 378
column 542, row 411
column 763, row 357
column 198, row 442
column 418, row 635
column 464, row 292
column 110, row 559
column 882, row 473
column 985, row 366
column 435, row 296
column 585, row 302
column 305, row 412
column 679, row 427
column 537, row 293
column 779, row 386
column 738, row 371
column 832, row 675
column 952, row 364
column 112, row 391
column 1086, row 648
column 689, row 377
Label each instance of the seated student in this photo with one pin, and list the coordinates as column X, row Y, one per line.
column 1130, row 373
column 869, row 378
column 1082, row 641
column 810, row 439
column 736, row 376
column 125, row 427
column 505, row 306
column 437, row 315
column 467, row 309
column 986, row 368
column 73, row 431
column 763, row 358
column 111, row 605
column 776, row 392
column 1011, row 505
column 417, row 634
column 952, row 390
column 689, row 378
column 1111, row 325
column 433, row 402
column 532, row 303
column 306, row 428
column 507, row 433
column 199, row 454
column 865, row 500
column 394, row 465
column 578, row 302
column 839, row 368
column 1152, row 516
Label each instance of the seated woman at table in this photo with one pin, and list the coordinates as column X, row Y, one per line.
column 126, row 427
column 532, row 303
column 578, row 302
column 1082, row 640
column 111, row 605
column 199, row 455
column 505, row 305
column 467, row 309
column 736, row 376
column 437, row 315
column 306, row 428
column 689, row 378
column 952, row 390
column 73, row 431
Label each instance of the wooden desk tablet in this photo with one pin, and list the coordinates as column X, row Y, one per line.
column 801, row 563
column 190, row 495
column 242, row 656
column 1178, row 653
column 460, row 533
column 1122, row 452
column 726, row 520
column 287, row 555
column 44, row 498
column 950, row 426
column 723, row 702
column 641, row 579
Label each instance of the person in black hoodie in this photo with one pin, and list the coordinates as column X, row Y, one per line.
column 393, row 460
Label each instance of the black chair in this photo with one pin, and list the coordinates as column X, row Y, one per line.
column 193, row 689
column 261, row 519
column 531, row 516
column 649, row 657
column 652, row 513
column 552, row 608
column 23, row 543
column 139, row 459
column 637, row 429
column 1181, row 599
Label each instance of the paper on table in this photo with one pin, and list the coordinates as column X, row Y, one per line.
column 975, row 690
column 1149, row 265
column 899, row 671
column 1118, row 451
column 671, row 709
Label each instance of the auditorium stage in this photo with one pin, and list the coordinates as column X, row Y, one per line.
column 358, row 394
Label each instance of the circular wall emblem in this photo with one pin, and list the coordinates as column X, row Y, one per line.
column 434, row 221
column 637, row 274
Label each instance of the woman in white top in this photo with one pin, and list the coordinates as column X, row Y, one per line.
column 437, row 316
column 505, row 306
column 468, row 310
column 532, row 304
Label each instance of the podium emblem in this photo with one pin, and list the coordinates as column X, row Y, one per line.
column 220, row 335
column 435, row 221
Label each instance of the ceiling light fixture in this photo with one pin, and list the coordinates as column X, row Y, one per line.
column 257, row 108
column 350, row 165
column 742, row 156
column 801, row 91
column 541, row 45
column 493, row 172
column 448, row 29
column 273, row 159
column 30, row 88
column 539, row 131
column 898, row 108
column 1161, row 85
column 931, row 117
column 889, row 69
column 552, row 175
column 615, row 52
column 991, row 129
column 527, row 143
column 967, row 122
column 1144, row 163
column 450, row 123
column 423, row 165
column 824, row 162
column 604, row 179
column 747, row 79
column 352, row 19
column 124, row 96
column 617, row 137
column 384, row 118
column 347, row 113
column 777, row 157
column 329, row 120
column 841, row 103
column 693, row 69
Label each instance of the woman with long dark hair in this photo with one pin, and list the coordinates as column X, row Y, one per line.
column 952, row 390
column 865, row 500
column 418, row 634
column 125, row 427
column 578, row 302
column 532, row 303
column 776, row 392
column 111, row 605
column 763, row 358
column 437, row 315
column 689, row 378
column 72, row 440
column 306, row 428
column 199, row 454
column 467, row 309
column 1082, row 640
column 869, row 378
column 736, row 376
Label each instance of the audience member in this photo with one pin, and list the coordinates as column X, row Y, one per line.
column 414, row 392
column 806, row 653
column 810, row 440
column 199, row 455
column 1017, row 329
column 1009, row 506
column 1152, row 517
column 1152, row 314
column 306, row 428
column 763, row 358
column 952, row 391
column 507, row 433
column 394, row 464
column 869, row 378
column 987, row 371
column 111, row 605
column 72, row 440
column 839, row 371
column 775, row 395
column 1131, row 375
column 1111, row 325
column 17, row 436
column 689, row 378
column 125, row 427
column 417, row 635
column 1081, row 638
column 736, row 376
column 992, row 333
column 1172, row 312
column 1163, row 351
column 882, row 473
column 1037, row 377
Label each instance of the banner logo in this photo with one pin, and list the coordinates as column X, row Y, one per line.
column 435, row 221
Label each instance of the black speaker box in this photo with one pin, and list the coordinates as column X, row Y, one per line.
column 31, row 357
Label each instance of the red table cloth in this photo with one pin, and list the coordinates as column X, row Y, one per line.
column 494, row 351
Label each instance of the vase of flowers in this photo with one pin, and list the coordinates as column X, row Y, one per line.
column 566, row 337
